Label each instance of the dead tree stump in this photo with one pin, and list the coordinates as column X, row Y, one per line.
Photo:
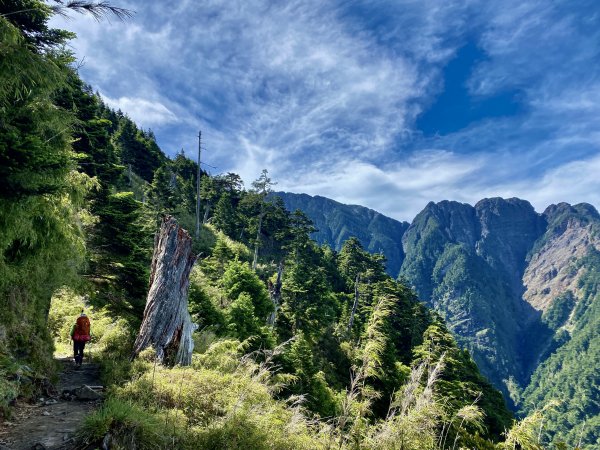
column 167, row 325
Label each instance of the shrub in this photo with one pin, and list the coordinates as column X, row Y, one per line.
column 221, row 402
column 129, row 426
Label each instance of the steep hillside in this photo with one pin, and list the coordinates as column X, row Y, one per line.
column 563, row 281
column 570, row 374
column 516, row 288
column 336, row 223
column 468, row 262
column 571, row 232
column 298, row 345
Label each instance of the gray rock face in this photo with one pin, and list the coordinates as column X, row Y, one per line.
column 494, row 269
column 458, row 221
column 509, row 228
column 467, row 262
column 571, row 232
column 86, row 393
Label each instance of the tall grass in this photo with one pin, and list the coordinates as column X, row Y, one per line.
column 228, row 399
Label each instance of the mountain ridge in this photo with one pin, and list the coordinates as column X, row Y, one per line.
column 328, row 217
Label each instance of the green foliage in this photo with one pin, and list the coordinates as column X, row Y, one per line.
column 335, row 223
column 239, row 279
column 65, row 308
column 559, row 311
column 35, row 155
column 31, row 17
column 173, row 187
column 204, row 312
column 569, row 375
column 241, row 317
column 460, row 383
column 128, row 424
column 222, row 252
column 138, row 149
column 212, row 405
column 121, row 246
column 41, row 197
column 81, row 182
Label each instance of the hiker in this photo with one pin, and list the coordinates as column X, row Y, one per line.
column 80, row 333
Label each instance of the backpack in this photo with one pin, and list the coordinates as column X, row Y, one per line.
column 82, row 329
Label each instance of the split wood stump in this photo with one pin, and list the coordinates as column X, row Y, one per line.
column 167, row 325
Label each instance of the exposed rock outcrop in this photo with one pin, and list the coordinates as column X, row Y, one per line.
column 572, row 231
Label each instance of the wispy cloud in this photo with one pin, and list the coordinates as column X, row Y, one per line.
column 146, row 113
column 325, row 94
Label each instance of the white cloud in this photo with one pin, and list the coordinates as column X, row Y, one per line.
column 295, row 78
column 325, row 98
column 573, row 182
column 399, row 190
column 144, row 112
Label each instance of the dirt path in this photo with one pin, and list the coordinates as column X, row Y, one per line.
column 51, row 423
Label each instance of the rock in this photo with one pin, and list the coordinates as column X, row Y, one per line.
column 468, row 262
column 86, row 393
column 46, row 413
column 106, row 442
column 67, row 395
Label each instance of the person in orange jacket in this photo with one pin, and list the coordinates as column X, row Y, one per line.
column 80, row 333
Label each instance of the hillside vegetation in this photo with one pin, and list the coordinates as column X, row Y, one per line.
column 515, row 288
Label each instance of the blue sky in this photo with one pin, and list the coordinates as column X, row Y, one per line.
column 387, row 104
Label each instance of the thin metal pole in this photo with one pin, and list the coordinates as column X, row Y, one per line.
column 198, row 186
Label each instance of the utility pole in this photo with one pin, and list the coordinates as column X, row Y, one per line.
column 198, row 186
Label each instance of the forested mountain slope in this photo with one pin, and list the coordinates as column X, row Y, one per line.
column 516, row 288
column 336, row 223
column 469, row 262
column 563, row 281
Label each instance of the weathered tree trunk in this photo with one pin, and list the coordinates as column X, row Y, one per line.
column 275, row 294
column 206, row 212
column 356, row 296
column 167, row 324
column 255, row 259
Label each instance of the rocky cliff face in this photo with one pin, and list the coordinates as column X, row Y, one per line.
column 508, row 281
column 509, row 228
column 562, row 282
column 550, row 271
column 468, row 263
column 336, row 223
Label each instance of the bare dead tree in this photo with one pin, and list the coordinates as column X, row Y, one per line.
column 356, row 297
column 275, row 294
column 167, row 325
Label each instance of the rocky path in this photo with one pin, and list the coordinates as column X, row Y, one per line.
column 52, row 422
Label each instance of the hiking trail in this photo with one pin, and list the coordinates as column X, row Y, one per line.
column 51, row 423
